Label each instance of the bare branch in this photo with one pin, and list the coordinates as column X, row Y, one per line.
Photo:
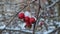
column 53, row 4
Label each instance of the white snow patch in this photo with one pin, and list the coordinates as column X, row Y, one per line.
column 27, row 13
column 2, row 27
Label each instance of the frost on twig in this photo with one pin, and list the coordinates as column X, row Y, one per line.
column 53, row 4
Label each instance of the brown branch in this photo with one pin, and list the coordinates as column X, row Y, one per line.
column 37, row 18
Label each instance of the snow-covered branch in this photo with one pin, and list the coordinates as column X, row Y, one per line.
column 54, row 30
column 17, row 30
column 53, row 3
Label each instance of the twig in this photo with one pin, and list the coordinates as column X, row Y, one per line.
column 55, row 30
column 16, row 30
column 37, row 18
column 53, row 4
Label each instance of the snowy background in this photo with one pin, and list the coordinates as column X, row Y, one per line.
column 9, row 8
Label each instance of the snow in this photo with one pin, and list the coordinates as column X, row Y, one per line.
column 22, row 26
column 46, row 32
column 41, row 19
column 51, row 28
column 27, row 13
column 2, row 27
column 1, row 17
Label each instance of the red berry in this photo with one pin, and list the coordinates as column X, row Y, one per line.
column 41, row 23
column 28, row 24
column 26, row 19
column 21, row 15
column 32, row 20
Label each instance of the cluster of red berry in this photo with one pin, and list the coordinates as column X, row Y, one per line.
column 28, row 20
